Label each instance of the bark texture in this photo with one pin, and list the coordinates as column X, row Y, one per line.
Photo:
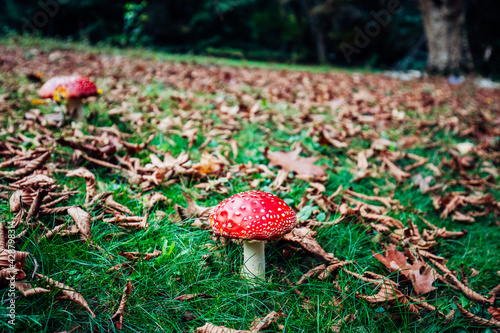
column 313, row 13
column 444, row 25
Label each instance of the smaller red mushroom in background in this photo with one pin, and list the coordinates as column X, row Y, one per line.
column 71, row 88
column 254, row 216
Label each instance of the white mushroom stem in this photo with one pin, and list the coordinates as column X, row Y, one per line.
column 74, row 109
column 254, row 265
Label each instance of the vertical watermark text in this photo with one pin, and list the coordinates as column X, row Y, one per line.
column 11, row 253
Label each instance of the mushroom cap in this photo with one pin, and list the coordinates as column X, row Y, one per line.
column 253, row 215
column 69, row 86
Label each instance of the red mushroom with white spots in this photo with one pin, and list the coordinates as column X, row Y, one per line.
column 255, row 217
column 71, row 88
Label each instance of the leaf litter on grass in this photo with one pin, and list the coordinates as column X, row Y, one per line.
column 354, row 129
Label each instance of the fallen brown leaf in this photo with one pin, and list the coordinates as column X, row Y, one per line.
column 153, row 199
column 82, row 219
column 193, row 209
column 90, row 182
column 209, row 164
column 29, row 167
column 322, row 271
column 135, row 256
column 28, row 290
column 389, row 293
column 263, row 323
column 210, row 328
column 386, row 201
column 328, row 137
column 111, row 203
column 291, row 161
column 399, row 174
column 459, row 217
column 61, row 230
column 394, row 260
column 19, row 258
column 495, row 313
column 117, row 318
column 476, row 320
column 421, row 276
column 35, row 206
column 305, row 237
column 134, row 222
column 15, row 201
column 468, row 292
column 66, row 292
column 188, row 297
column 337, row 328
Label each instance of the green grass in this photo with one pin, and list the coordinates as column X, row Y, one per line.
column 48, row 44
column 182, row 269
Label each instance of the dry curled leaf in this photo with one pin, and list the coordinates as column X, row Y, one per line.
column 421, row 275
column 459, row 217
column 90, row 182
column 19, row 258
column 476, row 320
column 362, row 166
column 291, row 161
column 394, row 260
column 31, row 166
column 210, row 328
column 35, row 181
column 399, row 174
column 15, row 201
column 66, row 292
column 327, row 136
column 110, row 203
column 312, row 272
column 83, row 221
column 117, row 318
column 322, row 271
column 7, row 273
column 386, row 201
column 193, row 209
column 343, row 322
column 188, row 297
column 495, row 313
column 361, row 211
column 263, row 323
column 209, row 164
column 133, row 222
column 135, row 256
column 455, row 282
column 153, row 199
column 28, row 290
column 305, row 237
column 61, row 230
column 389, row 293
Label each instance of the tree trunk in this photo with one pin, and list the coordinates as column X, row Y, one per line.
column 444, row 25
column 320, row 46
column 314, row 20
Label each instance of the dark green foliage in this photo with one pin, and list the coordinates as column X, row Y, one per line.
column 254, row 29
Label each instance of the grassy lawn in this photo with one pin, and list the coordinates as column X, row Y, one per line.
column 228, row 115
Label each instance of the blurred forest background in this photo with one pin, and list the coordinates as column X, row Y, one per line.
column 291, row 31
